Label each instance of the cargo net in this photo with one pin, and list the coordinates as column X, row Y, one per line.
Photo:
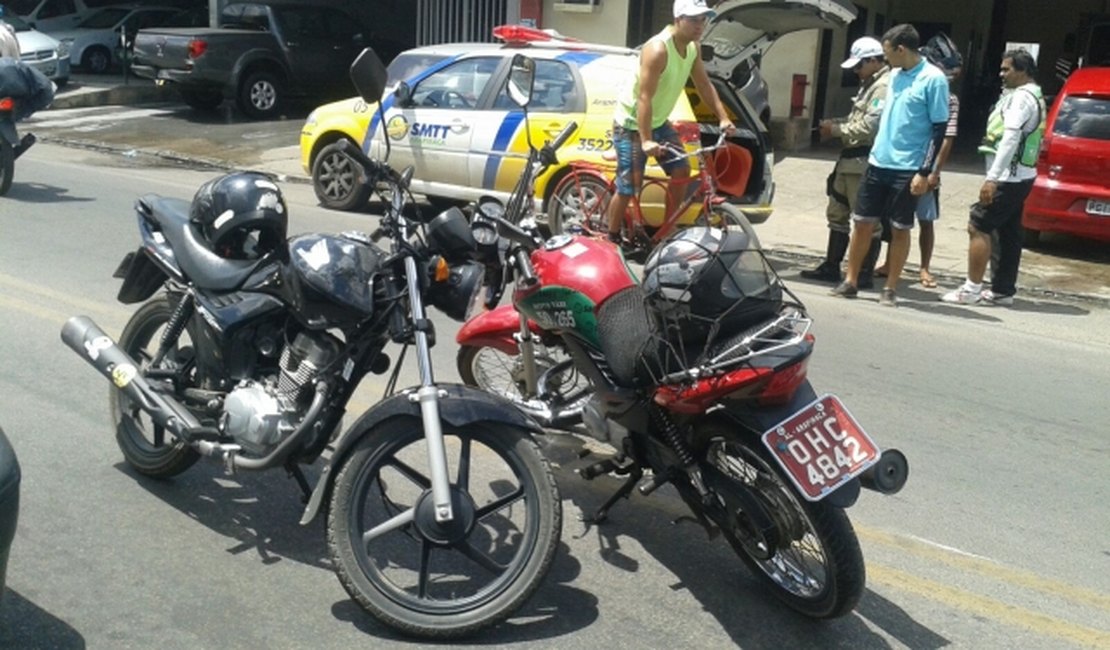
column 715, row 310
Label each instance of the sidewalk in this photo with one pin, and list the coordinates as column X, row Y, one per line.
column 796, row 232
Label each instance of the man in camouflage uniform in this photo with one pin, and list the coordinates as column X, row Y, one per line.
column 856, row 132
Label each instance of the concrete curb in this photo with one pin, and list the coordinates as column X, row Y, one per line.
column 138, row 93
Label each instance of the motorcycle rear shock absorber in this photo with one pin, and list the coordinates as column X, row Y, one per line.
column 673, row 437
column 175, row 326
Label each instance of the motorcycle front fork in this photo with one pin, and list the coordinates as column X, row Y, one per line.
column 526, row 342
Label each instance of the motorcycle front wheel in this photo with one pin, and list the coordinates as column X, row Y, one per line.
column 7, row 166
column 809, row 556
column 145, row 445
column 443, row 580
column 496, row 372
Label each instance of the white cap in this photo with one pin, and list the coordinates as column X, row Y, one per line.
column 863, row 48
column 692, row 8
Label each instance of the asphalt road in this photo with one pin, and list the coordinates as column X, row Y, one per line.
column 998, row 541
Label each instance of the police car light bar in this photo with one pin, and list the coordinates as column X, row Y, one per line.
column 524, row 34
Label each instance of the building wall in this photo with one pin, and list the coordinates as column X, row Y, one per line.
column 607, row 24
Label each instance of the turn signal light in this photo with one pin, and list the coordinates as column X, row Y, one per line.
column 7, row 104
column 443, row 271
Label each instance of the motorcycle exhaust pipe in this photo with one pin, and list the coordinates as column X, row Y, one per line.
column 83, row 336
column 888, row 474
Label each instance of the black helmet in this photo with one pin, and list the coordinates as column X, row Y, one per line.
column 242, row 215
column 707, row 280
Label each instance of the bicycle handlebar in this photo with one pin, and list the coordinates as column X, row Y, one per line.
column 674, row 153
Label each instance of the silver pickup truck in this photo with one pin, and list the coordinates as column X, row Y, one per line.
column 261, row 54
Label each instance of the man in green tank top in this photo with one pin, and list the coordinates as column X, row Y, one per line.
column 640, row 125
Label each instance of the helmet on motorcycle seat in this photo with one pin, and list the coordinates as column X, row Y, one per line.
column 704, row 280
column 241, row 215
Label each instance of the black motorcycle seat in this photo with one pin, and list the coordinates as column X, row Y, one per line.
column 206, row 269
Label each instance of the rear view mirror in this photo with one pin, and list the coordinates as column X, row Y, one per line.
column 369, row 76
column 522, row 74
column 403, row 93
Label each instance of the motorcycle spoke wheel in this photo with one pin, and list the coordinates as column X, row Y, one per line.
column 502, row 374
column 443, row 580
column 146, row 446
column 812, row 560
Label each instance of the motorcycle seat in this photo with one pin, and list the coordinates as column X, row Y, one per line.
column 205, row 268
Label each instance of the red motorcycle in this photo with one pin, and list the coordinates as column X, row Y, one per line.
column 697, row 378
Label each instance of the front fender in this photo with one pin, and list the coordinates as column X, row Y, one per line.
column 458, row 406
column 494, row 328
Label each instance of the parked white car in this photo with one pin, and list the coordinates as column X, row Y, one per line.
column 46, row 54
column 95, row 43
column 52, row 15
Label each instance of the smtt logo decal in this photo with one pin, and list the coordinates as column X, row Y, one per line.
column 397, row 127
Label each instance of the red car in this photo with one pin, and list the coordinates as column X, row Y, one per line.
column 1072, row 191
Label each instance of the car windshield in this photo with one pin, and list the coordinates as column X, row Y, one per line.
column 17, row 23
column 105, row 18
column 1084, row 117
column 407, row 64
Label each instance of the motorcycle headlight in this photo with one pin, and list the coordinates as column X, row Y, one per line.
column 458, row 290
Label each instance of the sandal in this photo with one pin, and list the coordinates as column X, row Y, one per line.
column 880, row 272
column 928, row 281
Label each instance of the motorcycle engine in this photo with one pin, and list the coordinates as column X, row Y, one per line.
column 260, row 414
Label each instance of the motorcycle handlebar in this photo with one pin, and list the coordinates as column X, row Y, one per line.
column 564, row 135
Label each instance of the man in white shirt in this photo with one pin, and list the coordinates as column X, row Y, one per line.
column 1011, row 145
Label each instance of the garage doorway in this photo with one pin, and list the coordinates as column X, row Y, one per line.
column 462, row 21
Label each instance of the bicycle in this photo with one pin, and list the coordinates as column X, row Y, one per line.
column 580, row 201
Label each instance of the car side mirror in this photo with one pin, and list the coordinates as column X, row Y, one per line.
column 522, row 75
column 369, row 76
column 403, row 94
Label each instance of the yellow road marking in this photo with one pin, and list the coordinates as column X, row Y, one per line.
column 987, row 568
column 988, row 607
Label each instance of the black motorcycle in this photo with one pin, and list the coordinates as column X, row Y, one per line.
column 248, row 348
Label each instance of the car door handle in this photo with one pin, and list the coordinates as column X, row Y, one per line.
column 458, row 126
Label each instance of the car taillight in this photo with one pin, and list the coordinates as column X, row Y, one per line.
column 688, row 132
column 196, row 48
column 7, row 104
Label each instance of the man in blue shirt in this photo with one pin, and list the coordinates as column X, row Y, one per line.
column 910, row 134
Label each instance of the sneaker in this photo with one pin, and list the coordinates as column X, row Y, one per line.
column 963, row 296
column 844, row 290
column 989, row 297
column 887, row 298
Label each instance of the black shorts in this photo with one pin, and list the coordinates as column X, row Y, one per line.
column 1006, row 206
column 884, row 195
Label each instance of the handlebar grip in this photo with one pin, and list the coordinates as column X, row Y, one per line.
column 564, row 135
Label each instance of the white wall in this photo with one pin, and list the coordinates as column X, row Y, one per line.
column 608, row 24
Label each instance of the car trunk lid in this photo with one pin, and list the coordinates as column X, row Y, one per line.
column 743, row 29
column 1077, row 149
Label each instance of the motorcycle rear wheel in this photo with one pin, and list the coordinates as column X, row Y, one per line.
column 7, row 166
column 427, row 580
column 145, row 445
column 815, row 566
column 496, row 372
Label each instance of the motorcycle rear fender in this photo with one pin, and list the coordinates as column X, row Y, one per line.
column 495, row 329
column 141, row 277
column 459, row 406
column 155, row 245
column 761, row 419
column 8, row 132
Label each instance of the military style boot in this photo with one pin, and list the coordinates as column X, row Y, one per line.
column 867, row 271
column 829, row 269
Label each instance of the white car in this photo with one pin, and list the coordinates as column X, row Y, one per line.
column 46, row 54
column 95, row 43
column 52, row 15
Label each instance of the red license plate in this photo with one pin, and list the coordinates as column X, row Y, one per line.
column 821, row 447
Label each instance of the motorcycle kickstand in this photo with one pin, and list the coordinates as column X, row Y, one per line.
column 294, row 471
column 602, row 513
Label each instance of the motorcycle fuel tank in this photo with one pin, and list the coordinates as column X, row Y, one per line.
column 576, row 275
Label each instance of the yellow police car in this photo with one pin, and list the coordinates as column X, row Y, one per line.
column 448, row 114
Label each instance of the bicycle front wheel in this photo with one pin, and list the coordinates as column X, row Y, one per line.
column 580, row 201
